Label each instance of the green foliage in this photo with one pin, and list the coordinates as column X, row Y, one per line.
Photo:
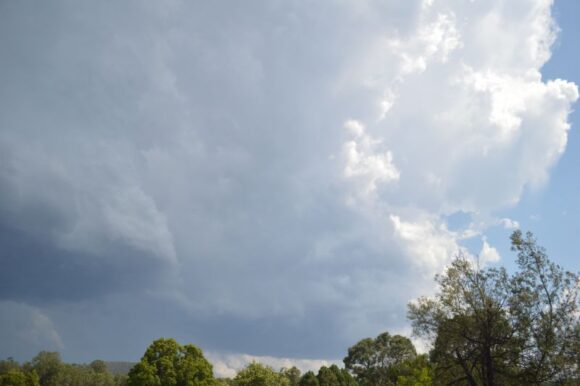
column 334, row 376
column 167, row 363
column 492, row 328
column 256, row 374
column 544, row 306
column 54, row 372
column 416, row 372
column 379, row 361
column 18, row 377
column 143, row 374
column 419, row 377
column 8, row 364
column 293, row 375
column 98, row 366
column 309, row 379
column 48, row 366
column 327, row 377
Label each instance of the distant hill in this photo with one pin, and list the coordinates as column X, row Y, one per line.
column 121, row 368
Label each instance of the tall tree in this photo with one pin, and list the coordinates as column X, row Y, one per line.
column 378, row 361
column 492, row 328
column 544, row 306
column 49, row 367
column 167, row 363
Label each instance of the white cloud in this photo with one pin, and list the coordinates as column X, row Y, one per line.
column 488, row 254
column 428, row 242
column 509, row 224
column 363, row 163
column 227, row 365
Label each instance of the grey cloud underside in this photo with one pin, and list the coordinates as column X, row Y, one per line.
column 178, row 168
column 36, row 272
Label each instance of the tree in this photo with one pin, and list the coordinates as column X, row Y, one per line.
column 416, row 372
column 544, row 306
column 256, row 374
column 167, row 363
column 48, row 366
column 98, row 366
column 334, row 376
column 18, row 377
column 8, row 364
column 12, row 374
column 309, row 379
column 488, row 327
column 293, row 375
column 55, row 372
column 378, row 361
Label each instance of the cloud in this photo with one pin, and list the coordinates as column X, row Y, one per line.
column 27, row 330
column 509, row 224
column 274, row 177
column 488, row 254
column 363, row 163
column 227, row 365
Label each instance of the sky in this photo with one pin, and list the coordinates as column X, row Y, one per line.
column 271, row 180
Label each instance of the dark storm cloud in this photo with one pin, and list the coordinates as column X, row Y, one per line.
column 34, row 271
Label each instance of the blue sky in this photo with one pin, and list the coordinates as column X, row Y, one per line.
column 271, row 180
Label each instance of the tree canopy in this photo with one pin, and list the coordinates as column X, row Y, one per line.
column 47, row 369
column 167, row 363
column 379, row 361
column 489, row 327
column 256, row 374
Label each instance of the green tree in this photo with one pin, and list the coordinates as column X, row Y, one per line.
column 18, row 377
column 378, row 361
column 472, row 334
column 309, row 379
column 98, row 366
column 491, row 328
column 167, row 363
column 544, row 306
column 419, row 377
column 14, row 377
column 327, row 377
column 12, row 374
column 293, row 375
column 144, row 374
column 8, row 364
column 335, row 376
column 416, row 372
column 256, row 374
column 48, row 366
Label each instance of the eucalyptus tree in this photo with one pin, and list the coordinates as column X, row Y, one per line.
column 489, row 327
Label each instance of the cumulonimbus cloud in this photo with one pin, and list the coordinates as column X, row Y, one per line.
column 274, row 175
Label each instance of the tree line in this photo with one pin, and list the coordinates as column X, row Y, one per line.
column 485, row 327
column 47, row 369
